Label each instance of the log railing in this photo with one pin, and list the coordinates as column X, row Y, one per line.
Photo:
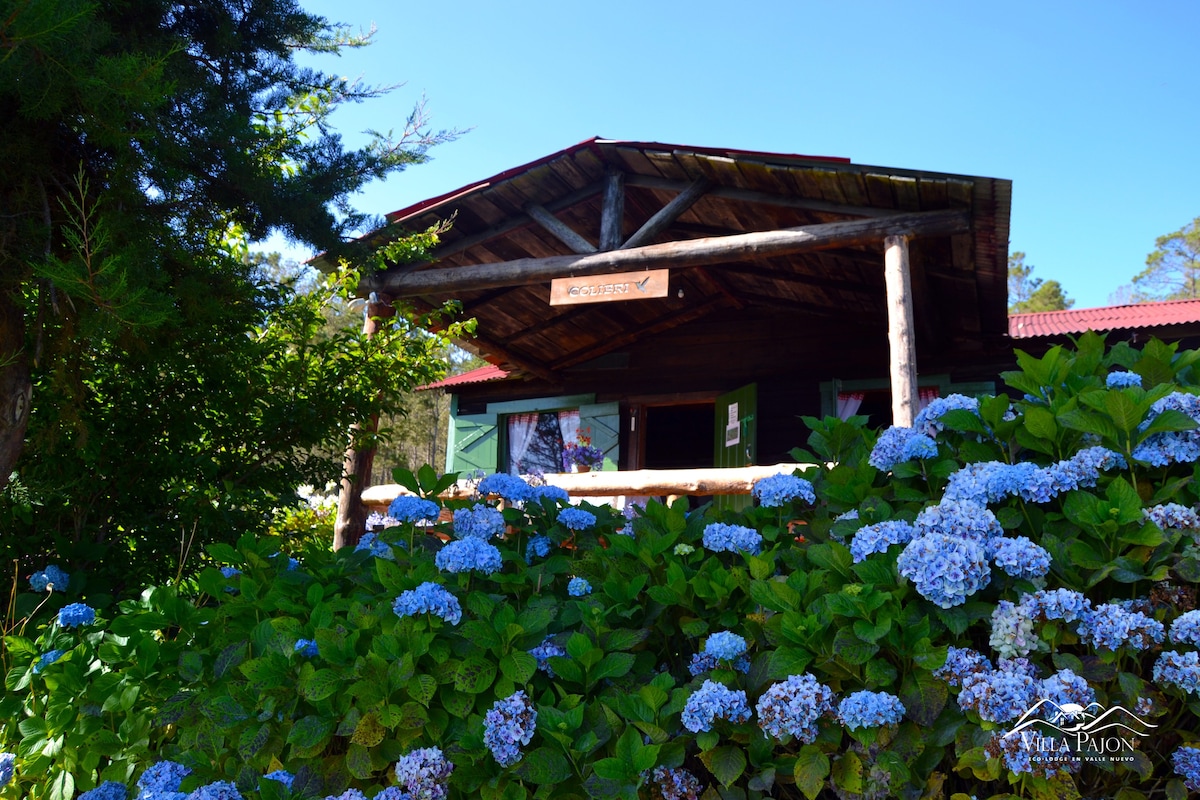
column 639, row 482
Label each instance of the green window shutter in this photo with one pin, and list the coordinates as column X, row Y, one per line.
column 604, row 420
column 474, row 443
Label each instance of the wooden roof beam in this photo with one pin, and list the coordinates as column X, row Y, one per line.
column 559, row 229
column 667, row 214
column 612, row 213
column 692, row 253
column 765, row 198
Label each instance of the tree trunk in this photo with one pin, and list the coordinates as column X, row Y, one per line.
column 356, row 469
column 16, row 390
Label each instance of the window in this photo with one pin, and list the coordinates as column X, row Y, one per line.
column 536, row 440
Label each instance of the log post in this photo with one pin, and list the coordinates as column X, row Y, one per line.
column 356, row 468
column 612, row 212
column 901, row 339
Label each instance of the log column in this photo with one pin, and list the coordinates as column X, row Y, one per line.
column 901, row 339
column 356, row 469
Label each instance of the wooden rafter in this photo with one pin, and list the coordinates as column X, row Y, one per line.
column 666, row 323
column 764, row 198
column 559, row 229
column 699, row 252
column 667, row 214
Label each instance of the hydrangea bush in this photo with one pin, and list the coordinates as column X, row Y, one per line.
column 873, row 627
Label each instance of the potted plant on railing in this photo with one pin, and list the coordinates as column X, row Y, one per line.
column 581, row 456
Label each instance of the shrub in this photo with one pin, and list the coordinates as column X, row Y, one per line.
column 1033, row 574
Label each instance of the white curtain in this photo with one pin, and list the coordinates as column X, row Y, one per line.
column 521, row 428
column 926, row 396
column 568, row 425
column 848, row 404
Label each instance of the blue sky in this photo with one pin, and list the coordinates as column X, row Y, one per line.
column 1091, row 109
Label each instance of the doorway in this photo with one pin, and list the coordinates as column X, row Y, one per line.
column 678, row 437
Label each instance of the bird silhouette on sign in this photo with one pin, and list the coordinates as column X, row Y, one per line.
column 641, row 285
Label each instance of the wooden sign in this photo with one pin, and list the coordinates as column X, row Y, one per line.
column 609, row 288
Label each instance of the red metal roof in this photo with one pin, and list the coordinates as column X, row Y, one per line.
column 487, row 373
column 416, row 208
column 1106, row 318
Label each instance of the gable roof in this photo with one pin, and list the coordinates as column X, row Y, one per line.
column 1106, row 318
column 959, row 281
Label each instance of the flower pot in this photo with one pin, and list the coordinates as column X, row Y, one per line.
column 580, row 468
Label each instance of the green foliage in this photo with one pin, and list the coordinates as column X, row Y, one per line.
column 147, row 144
column 207, row 672
column 1173, row 270
column 1027, row 294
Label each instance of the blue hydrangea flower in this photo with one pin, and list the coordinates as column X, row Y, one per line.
column 961, row 662
column 375, row 546
column 792, row 708
column 423, row 773
column 1179, row 669
column 1065, row 687
column 478, row 522
column 1170, row 516
column 76, row 614
column 776, row 490
column 928, row 419
column 945, row 569
column 230, row 572
column 1186, row 629
column 537, row 547
column 578, row 587
column 981, row 483
column 49, row 577
column 1018, row 754
column 7, row 766
column 1167, row 447
column 281, row 775
column 511, row 487
column 1110, row 626
column 898, row 444
column 722, row 538
column 1186, row 761
column 999, row 695
column 676, row 784
column 1020, row 557
column 713, row 701
column 109, row 790
column 509, row 725
column 409, row 508
column 1012, row 630
column 219, row 790
column 1063, row 604
column 1082, row 470
column 725, row 645
column 392, row 793
column 161, row 779
column 349, row 794
column 468, row 554
column 960, row 519
column 556, row 493
column 46, row 659
column 576, row 518
column 430, row 598
column 305, row 647
column 546, row 651
column 879, row 537
column 866, row 709
column 1123, row 380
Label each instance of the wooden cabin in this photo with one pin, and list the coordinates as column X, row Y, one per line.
column 687, row 305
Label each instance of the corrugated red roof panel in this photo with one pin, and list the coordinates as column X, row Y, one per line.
column 1106, row 318
column 488, row 373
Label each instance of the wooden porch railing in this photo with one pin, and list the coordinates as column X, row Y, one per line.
column 708, row 481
